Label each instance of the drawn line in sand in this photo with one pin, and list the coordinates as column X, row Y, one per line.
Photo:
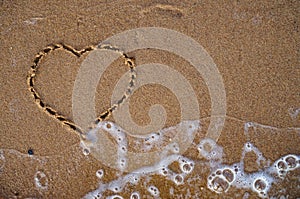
column 52, row 112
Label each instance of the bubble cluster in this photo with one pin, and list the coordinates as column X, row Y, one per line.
column 186, row 167
column 173, row 166
column 221, row 179
column 285, row 164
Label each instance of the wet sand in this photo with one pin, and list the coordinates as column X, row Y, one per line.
column 254, row 45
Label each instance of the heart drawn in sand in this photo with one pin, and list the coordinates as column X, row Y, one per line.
column 78, row 53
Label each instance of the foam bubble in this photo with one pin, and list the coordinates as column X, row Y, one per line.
column 292, row 162
column 122, row 163
column 153, row 190
column 221, row 178
column 171, row 191
column 100, row 173
column 186, row 165
column 2, row 160
column 246, row 195
column 261, row 183
column 115, row 197
column 178, row 179
column 228, row 174
column 135, row 195
column 86, row 151
column 218, row 184
column 41, row 180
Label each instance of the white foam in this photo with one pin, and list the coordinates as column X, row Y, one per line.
column 174, row 147
column 210, row 150
column 222, row 176
column 164, row 141
column 164, row 171
column 117, row 185
column 117, row 133
column 249, row 147
column 120, row 137
column 134, row 177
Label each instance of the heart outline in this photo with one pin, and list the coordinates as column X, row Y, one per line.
column 129, row 61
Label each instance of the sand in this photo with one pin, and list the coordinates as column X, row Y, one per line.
column 255, row 47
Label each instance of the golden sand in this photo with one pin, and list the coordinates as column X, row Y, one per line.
column 254, row 45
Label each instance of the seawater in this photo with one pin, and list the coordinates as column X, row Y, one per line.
column 220, row 177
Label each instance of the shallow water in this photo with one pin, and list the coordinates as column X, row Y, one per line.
column 248, row 161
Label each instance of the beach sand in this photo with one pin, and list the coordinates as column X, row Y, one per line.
column 255, row 47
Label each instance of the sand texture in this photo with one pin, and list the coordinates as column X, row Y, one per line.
column 254, row 45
